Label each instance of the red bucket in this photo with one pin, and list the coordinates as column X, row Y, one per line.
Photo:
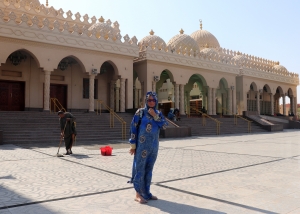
column 106, row 151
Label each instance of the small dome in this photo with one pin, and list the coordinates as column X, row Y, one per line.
column 155, row 42
column 205, row 38
column 183, row 43
column 279, row 67
column 104, row 29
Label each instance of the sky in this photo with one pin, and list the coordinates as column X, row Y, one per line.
column 264, row 28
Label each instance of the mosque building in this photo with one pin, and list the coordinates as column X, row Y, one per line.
column 48, row 53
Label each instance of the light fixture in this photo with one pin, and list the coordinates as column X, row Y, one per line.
column 63, row 65
column 16, row 58
column 94, row 71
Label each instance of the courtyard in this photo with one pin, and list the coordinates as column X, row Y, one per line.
column 250, row 173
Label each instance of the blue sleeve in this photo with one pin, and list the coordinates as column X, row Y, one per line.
column 133, row 127
column 161, row 121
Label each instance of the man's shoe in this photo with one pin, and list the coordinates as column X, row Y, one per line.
column 67, row 153
column 71, row 152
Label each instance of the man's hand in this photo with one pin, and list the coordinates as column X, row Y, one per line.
column 68, row 119
column 132, row 151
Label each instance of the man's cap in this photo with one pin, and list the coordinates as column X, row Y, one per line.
column 60, row 112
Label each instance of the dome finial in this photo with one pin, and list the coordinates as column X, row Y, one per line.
column 277, row 63
column 101, row 19
column 151, row 32
column 200, row 20
column 181, row 31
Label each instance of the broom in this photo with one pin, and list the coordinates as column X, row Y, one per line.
column 61, row 137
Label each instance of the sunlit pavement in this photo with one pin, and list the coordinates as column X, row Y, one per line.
column 254, row 173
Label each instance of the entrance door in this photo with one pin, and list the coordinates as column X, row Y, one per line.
column 59, row 92
column 12, row 96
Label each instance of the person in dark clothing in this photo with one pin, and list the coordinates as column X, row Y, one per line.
column 68, row 130
column 177, row 114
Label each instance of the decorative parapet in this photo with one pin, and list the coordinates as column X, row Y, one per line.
column 24, row 19
column 222, row 60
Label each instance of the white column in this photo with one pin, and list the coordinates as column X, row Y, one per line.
column 47, row 90
column 283, row 104
column 112, row 95
column 181, row 99
column 204, row 97
column 209, row 101
column 272, row 104
column 117, row 99
column 176, row 95
column 154, row 86
column 122, row 98
column 136, row 98
column 224, row 103
column 257, row 102
column 229, row 101
column 234, row 100
column 295, row 105
column 292, row 104
column 187, row 97
column 143, row 94
column 213, row 101
column 91, row 93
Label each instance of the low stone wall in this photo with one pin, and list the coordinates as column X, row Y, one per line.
column 176, row 132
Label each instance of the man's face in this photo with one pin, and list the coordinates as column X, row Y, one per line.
column 61, row 115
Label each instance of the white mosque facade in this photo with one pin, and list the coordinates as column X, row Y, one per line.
column 46, row 53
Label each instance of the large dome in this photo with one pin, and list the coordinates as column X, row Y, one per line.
column 153, row 41
column 182, row 43
column 105, row 29
column 205, row 39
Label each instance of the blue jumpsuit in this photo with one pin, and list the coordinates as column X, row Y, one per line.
column 146, row 138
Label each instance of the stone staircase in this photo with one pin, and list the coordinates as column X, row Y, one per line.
column 43, row 128
column 227, row 126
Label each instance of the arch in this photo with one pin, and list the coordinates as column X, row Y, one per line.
column 279, row 90
column 197, row 77
column 27, row 52
column 113, row 65
column 290, row 92
column 224, row 82
column 167, row 74
column 67, row 61
column 253, row 87
column 267, row 88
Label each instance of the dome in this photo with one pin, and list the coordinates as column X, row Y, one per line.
column 182, row 43
column 155, row 42
column 104, row 29
column 205, row 38
column 279, row 67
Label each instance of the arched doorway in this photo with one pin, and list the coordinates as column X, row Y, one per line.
column 19, row 82
column 165, row 91
column 252, row 98
column 196, row 95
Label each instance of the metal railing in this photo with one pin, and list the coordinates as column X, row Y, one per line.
column 112, row 116
column 204, row 115
column 57, row 106
column 236, row 116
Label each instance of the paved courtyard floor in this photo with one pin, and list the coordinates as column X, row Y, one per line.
column 252, row 173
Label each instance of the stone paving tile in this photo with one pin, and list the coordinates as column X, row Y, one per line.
column 122, row 202
column 44, row 179
column 195, row 175
column 10, row 152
